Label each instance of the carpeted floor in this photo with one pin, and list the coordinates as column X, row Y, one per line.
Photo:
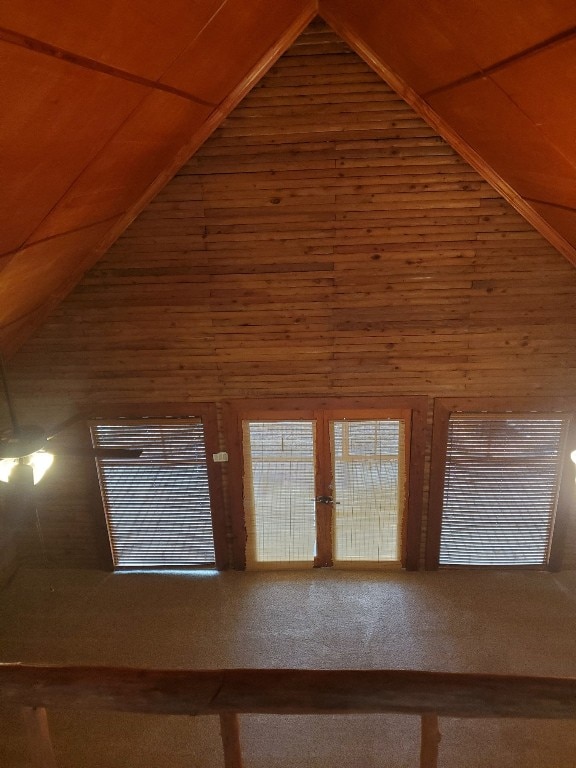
column 502, row 622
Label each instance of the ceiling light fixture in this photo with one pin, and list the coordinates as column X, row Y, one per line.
column 40, row 462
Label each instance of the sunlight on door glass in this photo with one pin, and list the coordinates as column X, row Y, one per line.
column 279, row 491
column 368, row 490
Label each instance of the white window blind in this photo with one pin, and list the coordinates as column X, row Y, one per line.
column 368, row 464
column 158, row 505
column 279, row 492
column 500, row 490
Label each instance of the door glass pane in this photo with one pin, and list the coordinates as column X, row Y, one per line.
column 368, row 464
column 279, row 491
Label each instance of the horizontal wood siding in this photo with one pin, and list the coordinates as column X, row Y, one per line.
column 8, row 551
column 324, row 241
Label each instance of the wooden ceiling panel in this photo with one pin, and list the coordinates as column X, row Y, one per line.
column 405, row 36
column 508, row 141
column 430, row 45
column 539, row 85
column 44, row 272
column 143, row 37
column 90, row 136
column 55, row 118
column 121, row 173
column 562, row 219
column 234, row 42
column 493, row 30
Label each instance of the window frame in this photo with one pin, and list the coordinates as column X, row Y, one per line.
column 500, row 407
column 306, row 408
column 207, row 413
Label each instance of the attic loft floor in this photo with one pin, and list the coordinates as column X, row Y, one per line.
column 500, row 622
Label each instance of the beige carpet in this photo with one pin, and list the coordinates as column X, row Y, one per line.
column 504, row 622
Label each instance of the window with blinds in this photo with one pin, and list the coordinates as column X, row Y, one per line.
column 158, row 505
column 501, row 485
column 279, row 492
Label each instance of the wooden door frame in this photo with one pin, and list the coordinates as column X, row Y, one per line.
column 521, row 406
column 237, row 411
column 324, row 512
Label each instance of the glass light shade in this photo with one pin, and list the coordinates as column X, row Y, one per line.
column 40, row 461
column 573, row 456
column 6, row 467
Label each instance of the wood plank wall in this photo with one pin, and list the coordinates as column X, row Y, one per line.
column 8, row 550
column 324, row 241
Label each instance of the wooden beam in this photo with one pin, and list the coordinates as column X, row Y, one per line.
column 429, row 741
column 36, row 722
column 230, row 732
column 288, row 691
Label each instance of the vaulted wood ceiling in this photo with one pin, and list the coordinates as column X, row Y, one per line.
column 102, row 103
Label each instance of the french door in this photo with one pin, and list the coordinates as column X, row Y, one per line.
column 325, row 487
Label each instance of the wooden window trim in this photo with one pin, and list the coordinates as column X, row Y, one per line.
column 207, row 412
column 237, row 411
column 521, row 406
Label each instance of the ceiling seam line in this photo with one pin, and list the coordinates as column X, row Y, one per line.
column 485, row 72
column 538, row 126
column 46, row 49
column 185, row 50
column 550, row 203
column 85, row 168
column 66, row 232
column 35, row 309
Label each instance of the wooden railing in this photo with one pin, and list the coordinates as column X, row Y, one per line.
column 231, row 692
